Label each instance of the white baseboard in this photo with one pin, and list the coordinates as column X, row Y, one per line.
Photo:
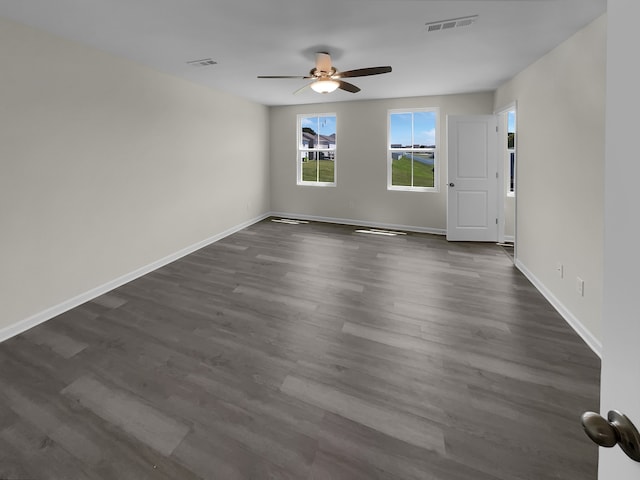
column 49, row 313
column 571, row 319
column 363, row 223
column 509, row 238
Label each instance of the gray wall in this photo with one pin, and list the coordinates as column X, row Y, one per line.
column 561, row 131
column 107, row 166
column 361, row 193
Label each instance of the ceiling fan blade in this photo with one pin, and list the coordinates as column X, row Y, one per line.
column 362, row 72
column 349, row 87
column 280, row 76
column 302, row 89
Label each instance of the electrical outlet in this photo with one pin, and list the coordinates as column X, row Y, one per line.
column 560, row 270
column 580, row 286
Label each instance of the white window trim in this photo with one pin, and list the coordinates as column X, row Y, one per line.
column 299, row 148
column 507, row 175
column 436, row 162
column 509, row 150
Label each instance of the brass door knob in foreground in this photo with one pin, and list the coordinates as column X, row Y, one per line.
column 617, row 430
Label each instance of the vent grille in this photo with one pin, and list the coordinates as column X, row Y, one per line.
column 376, row 231
column 451, row 23
column 203, row 62
column 288, row 221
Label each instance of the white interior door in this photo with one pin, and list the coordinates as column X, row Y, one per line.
column 472, row 198
column 621, row 318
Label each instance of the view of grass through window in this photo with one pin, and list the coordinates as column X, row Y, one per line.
column 318, row 170
column 317, row 148
column 412, row 170
column 412, row 148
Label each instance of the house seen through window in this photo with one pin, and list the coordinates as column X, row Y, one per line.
column 316, row 163
column 411, row 149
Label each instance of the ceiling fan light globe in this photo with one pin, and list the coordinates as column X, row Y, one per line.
column 325, row 85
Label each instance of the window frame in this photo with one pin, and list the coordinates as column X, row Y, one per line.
column 435, row 150
column 300, row 149
column 510, row 171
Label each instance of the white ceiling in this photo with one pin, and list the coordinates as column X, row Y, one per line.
column 280, row 37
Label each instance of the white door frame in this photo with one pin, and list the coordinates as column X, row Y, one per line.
column 503, row 173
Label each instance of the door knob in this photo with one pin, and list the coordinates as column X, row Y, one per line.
column 616, row 430
column 452, row 184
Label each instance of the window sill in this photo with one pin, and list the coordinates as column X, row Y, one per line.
column 412, row 189
column 316, row 184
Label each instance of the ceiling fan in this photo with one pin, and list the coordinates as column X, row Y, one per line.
column 326, row 78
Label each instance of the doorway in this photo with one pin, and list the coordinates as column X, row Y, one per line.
column 507, row 142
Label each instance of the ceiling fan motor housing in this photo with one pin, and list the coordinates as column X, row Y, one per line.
column 326, row 78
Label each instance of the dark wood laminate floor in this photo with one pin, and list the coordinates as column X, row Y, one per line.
column 305, row 352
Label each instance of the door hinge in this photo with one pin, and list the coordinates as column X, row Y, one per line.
column 496, row 128
column 496, row 174
column 496, row 221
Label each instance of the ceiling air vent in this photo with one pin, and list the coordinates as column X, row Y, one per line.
column 204, row 62
column 451, row 23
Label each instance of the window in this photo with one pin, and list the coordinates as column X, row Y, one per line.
column 411, row 150
column 511, row 152
column 316, row 164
